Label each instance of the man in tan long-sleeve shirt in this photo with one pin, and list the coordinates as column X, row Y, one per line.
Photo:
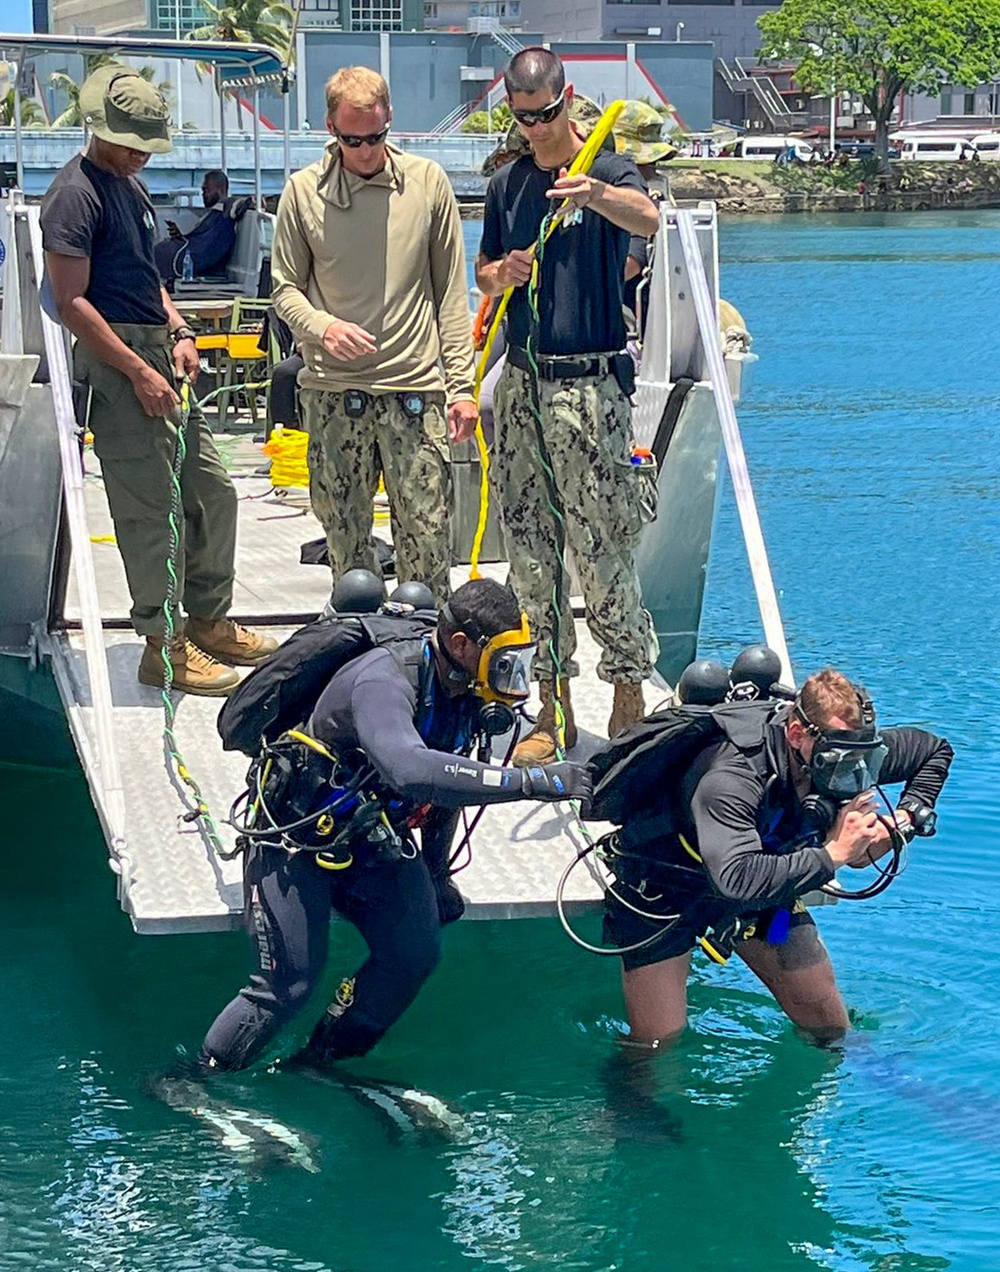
column 369, row 272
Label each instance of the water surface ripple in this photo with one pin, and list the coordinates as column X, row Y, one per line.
column 871, row 431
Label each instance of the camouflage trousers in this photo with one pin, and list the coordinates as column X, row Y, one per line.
column 590, row 504
column 347, row 454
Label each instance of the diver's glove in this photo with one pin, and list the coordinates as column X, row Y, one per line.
column 564, row 780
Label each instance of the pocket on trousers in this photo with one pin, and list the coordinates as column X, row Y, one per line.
column 122, row 429
column 625, row 497
column 435, row 425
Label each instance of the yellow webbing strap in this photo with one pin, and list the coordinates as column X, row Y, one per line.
column 311, row 743
column 581, row 163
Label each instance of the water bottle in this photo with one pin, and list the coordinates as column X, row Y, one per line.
column 187, row 267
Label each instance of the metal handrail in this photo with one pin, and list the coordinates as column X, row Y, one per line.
column 760, row 569
column 454, row 117
column 107, row 766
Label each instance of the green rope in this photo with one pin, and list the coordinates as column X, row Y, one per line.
column 199, row 810
column 551, row 489
column 555, row 507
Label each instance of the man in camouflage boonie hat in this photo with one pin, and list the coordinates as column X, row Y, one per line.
column 122, row 108
column 583, row 113
column 639, row 133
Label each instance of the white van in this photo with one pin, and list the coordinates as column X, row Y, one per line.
column 987, row 145
column 932, row 147
column 770, row 147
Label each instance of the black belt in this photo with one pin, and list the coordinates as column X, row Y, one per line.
column 559, row 368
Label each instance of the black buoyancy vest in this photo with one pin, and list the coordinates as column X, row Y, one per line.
column 281, row 692
column 636, row 776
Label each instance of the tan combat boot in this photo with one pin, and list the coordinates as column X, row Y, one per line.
column 228, row 642
column 194, row 671
column 539, row 746
column 629, row 708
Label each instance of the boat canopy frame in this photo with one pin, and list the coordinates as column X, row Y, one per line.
column 234, row 66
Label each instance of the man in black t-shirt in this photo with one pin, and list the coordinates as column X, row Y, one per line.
column 562, row 461
column 132, row 347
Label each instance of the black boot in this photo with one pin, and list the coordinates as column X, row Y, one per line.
column 339, row 1033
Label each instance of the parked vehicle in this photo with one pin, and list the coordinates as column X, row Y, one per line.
column 855, row 149
column 933, row 147
column 771, row 147
column 987, row 145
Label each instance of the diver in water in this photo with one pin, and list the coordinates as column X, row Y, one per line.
column 779, row 798
column 391, row 732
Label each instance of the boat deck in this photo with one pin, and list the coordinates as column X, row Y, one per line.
column 172, row 879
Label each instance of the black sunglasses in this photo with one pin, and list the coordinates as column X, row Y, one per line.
column 353, row 142
column 543, row 116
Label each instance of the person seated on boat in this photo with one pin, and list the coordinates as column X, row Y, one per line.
column 561, row 465
column 211, row 242
column 407, row 714
column 283, row 390
column 132, row 349
column 369, row 272
column 726, row 846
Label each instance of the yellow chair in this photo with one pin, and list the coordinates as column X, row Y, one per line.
column 241, row 362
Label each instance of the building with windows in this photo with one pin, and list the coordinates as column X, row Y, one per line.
column 162, row 17
column 729, row 25
column 119, row 17
column 436, row 77
column 362, row 15
column 473, row 15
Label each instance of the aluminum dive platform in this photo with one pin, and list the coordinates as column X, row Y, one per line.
column 169, row 877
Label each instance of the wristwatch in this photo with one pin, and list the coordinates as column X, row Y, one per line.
column 923, row 818
column 182, row 333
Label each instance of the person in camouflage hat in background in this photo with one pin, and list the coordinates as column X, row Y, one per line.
column 638, row 132
column 583, row 115
column 561, row 464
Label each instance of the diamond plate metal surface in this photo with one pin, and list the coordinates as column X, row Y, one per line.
column 178, row 883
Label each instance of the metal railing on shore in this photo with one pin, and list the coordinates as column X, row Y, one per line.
column 45, row 150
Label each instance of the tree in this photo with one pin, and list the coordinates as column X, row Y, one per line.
column 498, row 121
column 249, row 22
column 878, row 49
column 72, row 117
column 30, row 111
column 246, row 22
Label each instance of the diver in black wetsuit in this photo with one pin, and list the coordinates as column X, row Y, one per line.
column 414, row 715
column 733, row 854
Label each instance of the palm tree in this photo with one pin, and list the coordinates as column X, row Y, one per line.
column 61, row 82
column 249, row 22
column 246, row 22
column 31, row 112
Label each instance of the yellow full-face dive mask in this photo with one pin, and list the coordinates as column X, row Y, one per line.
column 504, row 670
column 504, row 673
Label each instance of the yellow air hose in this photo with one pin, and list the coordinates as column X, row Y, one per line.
column 584, row 159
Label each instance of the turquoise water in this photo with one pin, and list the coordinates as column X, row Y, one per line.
column 871, row 431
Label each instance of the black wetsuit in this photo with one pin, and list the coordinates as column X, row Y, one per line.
column 739, row 811
column 390, row 704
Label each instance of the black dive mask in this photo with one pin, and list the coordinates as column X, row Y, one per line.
column 847, row 762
